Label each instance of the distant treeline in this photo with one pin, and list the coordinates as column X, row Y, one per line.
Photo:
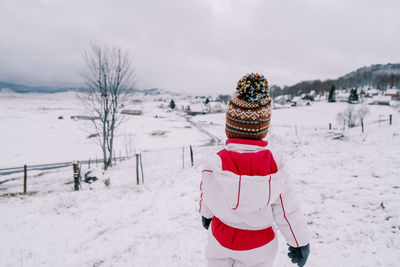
column 377, row 76
column 20, row 88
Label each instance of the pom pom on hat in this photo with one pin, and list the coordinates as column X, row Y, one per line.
column 253, row 88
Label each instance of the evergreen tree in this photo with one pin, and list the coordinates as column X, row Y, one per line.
column 172, row 104
column 353, row 98
column 355, row 95
column 332, row 94
column 207, row 101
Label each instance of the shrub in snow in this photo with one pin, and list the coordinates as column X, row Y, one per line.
column 93, row 135
column 94, row 176
column 350, row 116
column 158, row 133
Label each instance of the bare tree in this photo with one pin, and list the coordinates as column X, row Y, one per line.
column 350, row 116
column 108, row 75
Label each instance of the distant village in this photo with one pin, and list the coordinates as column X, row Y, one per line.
column 352, row 96
column 198, row 105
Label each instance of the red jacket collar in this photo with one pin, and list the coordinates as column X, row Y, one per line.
column 246, row 142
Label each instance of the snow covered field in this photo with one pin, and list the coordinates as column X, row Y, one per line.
column 31, row 132
column 348, row 185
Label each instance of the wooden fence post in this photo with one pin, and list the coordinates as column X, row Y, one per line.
column 390, row 119
column 137, row 168
column 25, row 178
column 89, row 163
column 141, row 167
column 76, row 166
column 362, row 125
column 191, row 155
column 183, row 157
column 330, row 126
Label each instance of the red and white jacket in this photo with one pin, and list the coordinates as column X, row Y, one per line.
column 245, row 192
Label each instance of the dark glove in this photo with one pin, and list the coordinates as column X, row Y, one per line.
column 299, row 255
column 206, row 222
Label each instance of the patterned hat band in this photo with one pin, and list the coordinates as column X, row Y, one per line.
column 242, row 130
column 261, row 114
column 258, row 122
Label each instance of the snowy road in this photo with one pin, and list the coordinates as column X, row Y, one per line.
column 214, row 140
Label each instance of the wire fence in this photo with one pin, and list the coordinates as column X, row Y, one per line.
column 15, row 179
column 380, row 121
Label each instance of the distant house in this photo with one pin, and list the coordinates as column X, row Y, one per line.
column 136, row 112
column 215, row 107
column 298, row 101
column 313, row 93
column 196, row 109
column 342, row 97
column 371, row 93
column 393, row 93
column 307, row 97
column 81, row 117
column 281, row 101
column 381, row 100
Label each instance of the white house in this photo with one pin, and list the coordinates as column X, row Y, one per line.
column 381, row 100
column 371, row 93
column 342, row 97
column 215, row 107
column 136, row 112
column 281, row 102
column 196, row 109
column 297, row 101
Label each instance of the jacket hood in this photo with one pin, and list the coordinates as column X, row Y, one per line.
column 247, row 178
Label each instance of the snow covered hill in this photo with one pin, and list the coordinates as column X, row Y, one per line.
column 347, row 183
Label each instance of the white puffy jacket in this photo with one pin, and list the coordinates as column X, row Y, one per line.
column 244, row 188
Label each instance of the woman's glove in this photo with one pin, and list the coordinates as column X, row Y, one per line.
column 206, row 222
column 299, row 255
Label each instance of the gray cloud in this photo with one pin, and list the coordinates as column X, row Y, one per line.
column 198, row 46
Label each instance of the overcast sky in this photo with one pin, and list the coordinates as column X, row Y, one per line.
column 198, row 46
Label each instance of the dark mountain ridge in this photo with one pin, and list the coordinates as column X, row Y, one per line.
column 378, row 76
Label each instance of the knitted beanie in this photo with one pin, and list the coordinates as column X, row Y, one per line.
column 249, row 111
